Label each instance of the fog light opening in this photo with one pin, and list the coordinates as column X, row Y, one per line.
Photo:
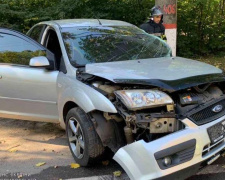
column 167, row 161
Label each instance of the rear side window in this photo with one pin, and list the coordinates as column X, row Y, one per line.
column 15, row 50
column 37, row 32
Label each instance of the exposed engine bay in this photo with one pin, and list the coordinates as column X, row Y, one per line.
column 148, row 112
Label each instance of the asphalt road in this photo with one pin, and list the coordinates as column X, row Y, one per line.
column 23, row 144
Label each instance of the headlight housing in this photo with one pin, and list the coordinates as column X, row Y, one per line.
column 141, row 99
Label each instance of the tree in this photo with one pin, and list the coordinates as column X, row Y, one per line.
column 201, row 27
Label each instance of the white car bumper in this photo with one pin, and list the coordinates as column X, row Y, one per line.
column 192, row 144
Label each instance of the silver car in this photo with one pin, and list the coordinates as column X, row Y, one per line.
column 113, row 86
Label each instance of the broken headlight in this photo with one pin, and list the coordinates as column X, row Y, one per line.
column 140, row 99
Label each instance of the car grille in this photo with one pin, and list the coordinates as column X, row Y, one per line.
column 206, row 115
column 210, row 147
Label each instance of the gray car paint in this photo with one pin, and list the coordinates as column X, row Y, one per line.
column 164, row 68
column 88, row 22
column 28, row 93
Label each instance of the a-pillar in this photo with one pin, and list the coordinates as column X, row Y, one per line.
column 169, row 9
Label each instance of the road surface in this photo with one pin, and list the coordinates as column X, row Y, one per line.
column 23, row 144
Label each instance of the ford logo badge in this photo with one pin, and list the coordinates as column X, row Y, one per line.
column 217, row 108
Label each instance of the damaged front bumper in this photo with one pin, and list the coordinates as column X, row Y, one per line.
column 187, row 149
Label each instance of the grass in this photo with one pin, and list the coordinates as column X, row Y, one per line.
column 215, row 61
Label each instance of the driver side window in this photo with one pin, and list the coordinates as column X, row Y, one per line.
column 16, row 50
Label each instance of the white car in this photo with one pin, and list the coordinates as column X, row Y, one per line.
column 110, row 84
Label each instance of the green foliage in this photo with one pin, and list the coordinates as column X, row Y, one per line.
column 201, row 27
column 201, row 23
column 22, row 14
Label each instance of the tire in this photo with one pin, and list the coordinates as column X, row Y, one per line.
column 84, row 142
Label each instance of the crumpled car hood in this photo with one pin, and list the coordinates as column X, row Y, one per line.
column 163, row 72
column 158, row 68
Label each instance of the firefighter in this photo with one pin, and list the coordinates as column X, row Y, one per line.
column 154, row 26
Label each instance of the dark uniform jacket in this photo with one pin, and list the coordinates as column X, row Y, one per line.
column 153, row 28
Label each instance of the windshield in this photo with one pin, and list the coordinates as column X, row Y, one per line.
column 86, row 45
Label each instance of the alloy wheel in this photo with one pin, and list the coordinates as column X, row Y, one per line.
column 76, row 138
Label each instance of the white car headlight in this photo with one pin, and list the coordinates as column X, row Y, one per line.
column 140, row 99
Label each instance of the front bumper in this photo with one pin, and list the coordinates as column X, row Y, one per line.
column 139, row 162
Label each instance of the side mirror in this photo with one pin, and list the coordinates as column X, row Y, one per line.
column 39, row 61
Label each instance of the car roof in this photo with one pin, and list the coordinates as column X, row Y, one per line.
column 87, row 22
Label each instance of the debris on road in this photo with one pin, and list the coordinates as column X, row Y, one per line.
column 117, row 173
column 19, row 176
column 1, row 142
column 223, row 155
column 105, row 163
column 75, row 166
column 40, row 164
column 13, row 147
column 13, row 150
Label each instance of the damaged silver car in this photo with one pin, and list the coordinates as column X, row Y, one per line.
column 115, row 86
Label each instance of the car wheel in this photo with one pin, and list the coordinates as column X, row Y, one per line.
column 84, row 142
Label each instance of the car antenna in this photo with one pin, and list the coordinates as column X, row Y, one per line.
column 99, row 22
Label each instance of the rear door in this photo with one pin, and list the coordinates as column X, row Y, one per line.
column 25, row 92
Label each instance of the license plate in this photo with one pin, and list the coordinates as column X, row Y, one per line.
column 216, row 132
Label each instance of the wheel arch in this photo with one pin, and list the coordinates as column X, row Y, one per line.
column 107, row 130
column 68, row 105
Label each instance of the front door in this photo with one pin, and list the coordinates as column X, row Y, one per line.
column 25, row 92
